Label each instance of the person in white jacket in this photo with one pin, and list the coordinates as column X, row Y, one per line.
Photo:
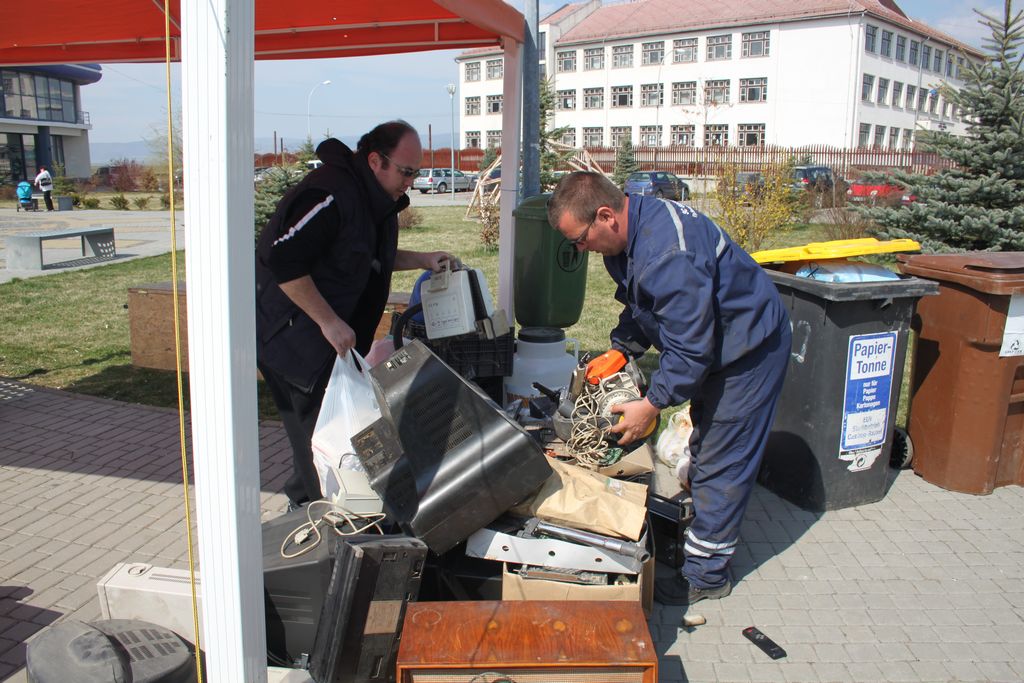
column 44, row 181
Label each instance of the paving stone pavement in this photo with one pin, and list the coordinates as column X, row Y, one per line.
column 925, row 585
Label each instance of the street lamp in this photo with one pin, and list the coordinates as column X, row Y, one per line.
column 308, row 98
column 451, row 96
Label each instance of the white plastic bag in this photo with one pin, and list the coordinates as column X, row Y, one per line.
column 349, row 406
column 673, row 447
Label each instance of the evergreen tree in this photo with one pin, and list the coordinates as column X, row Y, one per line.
column 269, row 191
column 490, row 154
column 550, row 158
column 625, row 163
column 306, row 151
column 978, row 204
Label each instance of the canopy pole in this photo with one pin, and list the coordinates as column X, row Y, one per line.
column 510, row 139
column 217, row 104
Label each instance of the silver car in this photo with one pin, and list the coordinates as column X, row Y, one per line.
column 440, row 180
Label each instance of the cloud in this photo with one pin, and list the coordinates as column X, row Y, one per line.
column 962, row 23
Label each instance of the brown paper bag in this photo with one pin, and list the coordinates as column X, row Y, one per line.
column 581, row 499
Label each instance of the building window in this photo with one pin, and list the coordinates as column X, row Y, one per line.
column 473, row 139
column 569, row 137
column 593, row 137
column 901, row 48
column 865, row 135
column 959, row 66
column 494, row 138
column 883, row 90
column 885, row 49
column 684, row 50
column 716, row 135
column 494, row 69
column 542, row 43
column 894, row 138
column 620, row 134
column 652, row 95
column 914, row 48
column 593, row 59
column 897, row 94
column 937, row 64
column 622, row 96
column 716, row 92
column 650, row 136
column 622, row 56
column 472, row 106
column 472, row 71
column 933, row 102
column 25, row 96
column 593, row 98
column 756, row 44
column 566, row 99
column 908, row 138
column 566, row 61
column 494, row 104
column 926, row 55
column 911, row 96
column 652, row 53
column 684, row 93
column 870, row 36
column 922, row 99
column 719, row 47
column 879, row 141
column 949, row 64
column 750, row 135
column 866, row 87
column 753, row 89
column 682, row 135
column 543, row 70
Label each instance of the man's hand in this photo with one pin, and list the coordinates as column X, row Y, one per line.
column 637, row 417
column 433, row 260
column 339, row 334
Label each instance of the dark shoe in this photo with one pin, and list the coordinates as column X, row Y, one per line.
column 678, row 591
column 293, row 506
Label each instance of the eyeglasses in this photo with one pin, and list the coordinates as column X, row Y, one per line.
column 583, row 235
column 406, row 171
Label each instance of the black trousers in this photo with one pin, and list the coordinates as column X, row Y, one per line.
column 299, row 411
column 48, row 200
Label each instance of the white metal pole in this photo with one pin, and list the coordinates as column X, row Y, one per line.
column 451, row 96
column 510, row 139
column 309, row 135
column 217, row 104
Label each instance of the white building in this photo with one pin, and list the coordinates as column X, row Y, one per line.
column 42, row 122
column 847, row 73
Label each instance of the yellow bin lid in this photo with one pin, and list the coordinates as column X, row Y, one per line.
column 817, row 251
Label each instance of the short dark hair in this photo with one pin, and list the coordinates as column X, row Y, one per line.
column 384, row 138
column 581, row 194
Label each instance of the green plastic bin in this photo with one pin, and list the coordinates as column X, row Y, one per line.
column 550, row 274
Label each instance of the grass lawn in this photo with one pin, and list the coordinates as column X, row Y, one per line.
column 152, row 202
column 70, row 330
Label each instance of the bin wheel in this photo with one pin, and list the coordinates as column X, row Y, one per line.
column 902, row 450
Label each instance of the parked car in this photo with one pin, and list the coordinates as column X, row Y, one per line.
column 818, row 178
column 440, row 180
column 864, row 192
column 661, row 184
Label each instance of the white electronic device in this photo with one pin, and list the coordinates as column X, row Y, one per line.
column 135, row 590
column 447, row 299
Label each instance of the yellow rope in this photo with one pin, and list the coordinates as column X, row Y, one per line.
column 177, row 339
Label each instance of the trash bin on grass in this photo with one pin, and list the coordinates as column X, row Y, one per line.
column 830, row 443
column 967, row 388
column 65, row 203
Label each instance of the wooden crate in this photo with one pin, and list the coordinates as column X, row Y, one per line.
column 151, row 329
column 526, row 642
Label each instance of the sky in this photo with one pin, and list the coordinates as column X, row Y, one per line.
column 127, row 104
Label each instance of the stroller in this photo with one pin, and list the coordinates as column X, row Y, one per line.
column 25, row 201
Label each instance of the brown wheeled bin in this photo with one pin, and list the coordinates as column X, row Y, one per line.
column 967, row 386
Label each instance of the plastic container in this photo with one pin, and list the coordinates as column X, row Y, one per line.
column 830, row 443
column 541, row 356
column 550, row 274
column 967, row 386
column 816, row 251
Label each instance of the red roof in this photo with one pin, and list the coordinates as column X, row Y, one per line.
column 651, row 17
column 561, row 13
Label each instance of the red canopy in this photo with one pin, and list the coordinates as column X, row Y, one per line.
column 74, row 31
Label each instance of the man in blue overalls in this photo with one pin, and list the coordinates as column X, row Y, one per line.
column 724, row 336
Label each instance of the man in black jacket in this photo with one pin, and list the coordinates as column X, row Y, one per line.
column 323, row 273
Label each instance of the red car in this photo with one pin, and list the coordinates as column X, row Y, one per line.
column 863, row 192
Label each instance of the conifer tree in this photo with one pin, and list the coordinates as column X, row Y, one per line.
column 270, row 190
column 550, row 158
column 979, row 203
column 625, row 162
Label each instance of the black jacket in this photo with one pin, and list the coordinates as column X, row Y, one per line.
column 353, row 274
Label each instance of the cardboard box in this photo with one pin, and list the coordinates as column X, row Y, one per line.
column 638, row 461
column 514, row 587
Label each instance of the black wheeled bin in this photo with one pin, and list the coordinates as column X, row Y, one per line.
column 830, row 443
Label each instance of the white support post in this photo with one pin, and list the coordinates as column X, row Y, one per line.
column 510, row 140
column 217, row 102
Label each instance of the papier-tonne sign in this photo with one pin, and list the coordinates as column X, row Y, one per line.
column 1013, row 332
column 869, row 368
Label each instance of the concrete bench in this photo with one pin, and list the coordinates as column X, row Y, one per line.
column 25, row 250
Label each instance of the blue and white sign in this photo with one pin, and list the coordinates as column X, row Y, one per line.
column 870, row 363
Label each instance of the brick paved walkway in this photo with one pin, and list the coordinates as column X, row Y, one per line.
column 925, row 585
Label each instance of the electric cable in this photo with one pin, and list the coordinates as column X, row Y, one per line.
column 337, row 518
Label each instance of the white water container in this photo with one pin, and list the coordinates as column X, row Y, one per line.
column 541, row 356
